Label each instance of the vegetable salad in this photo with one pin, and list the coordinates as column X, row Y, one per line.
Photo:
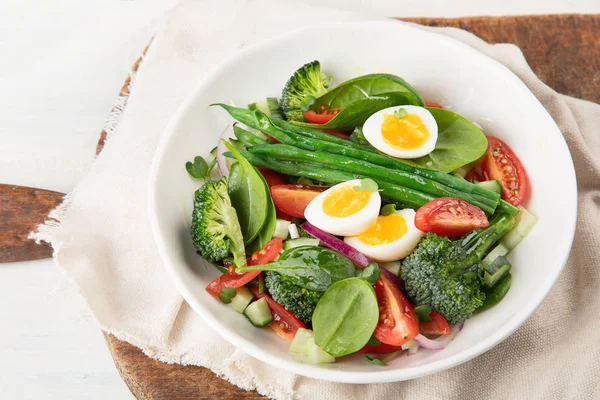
column 358, row 218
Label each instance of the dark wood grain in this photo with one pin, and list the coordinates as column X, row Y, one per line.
column 21, row 210
column 564, row 51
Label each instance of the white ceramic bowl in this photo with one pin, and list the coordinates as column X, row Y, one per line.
column 441, row 69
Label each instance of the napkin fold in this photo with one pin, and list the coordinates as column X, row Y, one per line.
column 102, row 239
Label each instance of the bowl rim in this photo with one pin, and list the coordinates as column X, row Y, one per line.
column 313, row 371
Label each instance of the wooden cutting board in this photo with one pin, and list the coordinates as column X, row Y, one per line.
column 564, row 51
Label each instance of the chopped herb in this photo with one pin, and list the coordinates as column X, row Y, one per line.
column 400, row 113
column 374, row 360
column 388, row 209
column 367, row 185
column 225, row 299
column 197, row 169
column 422, row 312
column 229, row 292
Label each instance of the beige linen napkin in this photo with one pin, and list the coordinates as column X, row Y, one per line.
column 102, row 240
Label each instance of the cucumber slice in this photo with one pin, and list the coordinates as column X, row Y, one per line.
column 259, row 312
column 303, row 349
column 492, row 185
column 524, row 221
column 290, row 244
column 498, row 251
column 500, row 270
column 392, row 266
column 411, row 344
column 281, row 228
column 241, row 300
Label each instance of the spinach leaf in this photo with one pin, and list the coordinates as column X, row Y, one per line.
column 310, row 267
column 248, row 195
column 370, row 274
column 356, row 113
column 367, row 86
column 459, row 142
column 266, row 232
column 345, row 317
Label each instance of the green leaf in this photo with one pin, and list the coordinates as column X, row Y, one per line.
column 356, row 113
column 367, row 185
column 197, row 169
column 266, row 232
column 367, row 86
column 422, row 312
column 345, row 317
column 248, row 195
column 371, row 273
column 307, row 102
column 224, row 298
column 310, row 267
column 459, row 143
column 400, row 113
column 388, row 209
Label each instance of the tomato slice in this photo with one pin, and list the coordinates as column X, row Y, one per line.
column 314, row 118
column 474, row 175
column 285, row 324
column 448, row 216
column 235, row 280
column 293, row 199
column 437, row 326
column 433, row 104
column 501, row 163
column 397, row 321
column 380, row 349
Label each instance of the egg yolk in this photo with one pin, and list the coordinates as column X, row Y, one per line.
column 406, row 133
column 386, row 230
column 345, row 201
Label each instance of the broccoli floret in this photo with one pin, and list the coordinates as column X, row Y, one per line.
column 215, row 229
column 446, row 274
column 306, row 81
column 299, row 301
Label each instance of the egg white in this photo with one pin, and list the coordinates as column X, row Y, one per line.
column 395, row 250
column 372, row 132
column 347, row 226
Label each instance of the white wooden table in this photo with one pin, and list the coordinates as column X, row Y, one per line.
column 61, row 65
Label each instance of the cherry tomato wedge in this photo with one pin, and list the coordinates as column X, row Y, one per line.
column 448, row 216
column 235, row 280
column 293, row 199
column 433, row 104
column 380, row 349
column 285, row 324
column 397, row 321
column 501, row 163
column 314, row 118
column 474, row 175
column 437, row 326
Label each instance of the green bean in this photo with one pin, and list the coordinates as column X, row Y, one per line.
column 406, row 196
column 247, row 138
column 401, row 178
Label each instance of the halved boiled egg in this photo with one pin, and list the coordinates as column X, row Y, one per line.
column 344, row 209
column 402, row 131
column 391, row 238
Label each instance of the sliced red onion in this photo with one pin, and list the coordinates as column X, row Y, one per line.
column 338, row 245
column 221, row 159
column 428, row 343
column 412, row 351
column 454, row 330
column 293, row 231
